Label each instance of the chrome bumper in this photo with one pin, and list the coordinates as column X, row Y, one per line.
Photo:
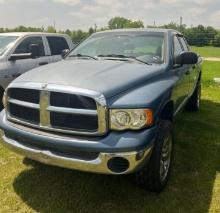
column 98, row 165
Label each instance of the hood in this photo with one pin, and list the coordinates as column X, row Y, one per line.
column 110, row 77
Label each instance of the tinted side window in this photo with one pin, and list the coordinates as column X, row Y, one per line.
column 24, row 46
column 177, row 47
column 185, row 46
column 57, row 44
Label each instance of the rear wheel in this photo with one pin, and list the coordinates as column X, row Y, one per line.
column 194, row 101
column 155, row 175
column 1, row 96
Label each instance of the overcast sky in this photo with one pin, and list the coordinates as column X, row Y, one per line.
column 82, row 14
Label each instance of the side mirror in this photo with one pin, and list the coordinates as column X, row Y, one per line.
column 15, row 57
column 65, row 53
column 186, row 58
column 34, row 50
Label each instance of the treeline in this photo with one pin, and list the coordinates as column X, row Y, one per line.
column 197, row 36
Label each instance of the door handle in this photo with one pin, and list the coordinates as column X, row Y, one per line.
column 43, row 63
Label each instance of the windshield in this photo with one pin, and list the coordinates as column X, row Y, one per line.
column 6, row 42
column 146, row 47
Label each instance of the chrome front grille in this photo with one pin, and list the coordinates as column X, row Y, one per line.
column 57, row 108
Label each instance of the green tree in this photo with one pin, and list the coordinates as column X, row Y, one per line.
column 134, row 24
column 91, row 31
column 200, row 35
column 216, row 41
column 78, row 36
column 120, row 23
column 171, row 25
column 117, row 23
column 68, row 32
column 51, row 29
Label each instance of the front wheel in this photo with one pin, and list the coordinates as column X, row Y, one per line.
column 155, row 175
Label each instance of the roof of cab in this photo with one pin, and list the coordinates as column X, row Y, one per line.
column 156, row 30
column 21, row 34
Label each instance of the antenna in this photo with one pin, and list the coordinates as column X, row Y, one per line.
column 181, row 21
column 54, row 24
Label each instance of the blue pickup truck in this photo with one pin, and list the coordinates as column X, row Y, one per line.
column 108, row 107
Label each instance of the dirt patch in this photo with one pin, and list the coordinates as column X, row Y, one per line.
column 211, row 59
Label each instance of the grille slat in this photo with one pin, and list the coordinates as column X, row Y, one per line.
column 24, row 113
column 28, row 95
column 24, row 103
column 80, row 122
column 65, row 100
column 73, row 111
column 65, row 112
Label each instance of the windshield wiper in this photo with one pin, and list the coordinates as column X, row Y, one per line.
column 83, row 56
column 124, row 57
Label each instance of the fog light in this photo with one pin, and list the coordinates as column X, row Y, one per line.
column 118, row 165
column 140, row 155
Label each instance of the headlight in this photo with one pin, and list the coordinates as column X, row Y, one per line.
column 121, row 119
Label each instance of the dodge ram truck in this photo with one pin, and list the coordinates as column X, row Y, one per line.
column 108, row 107
column 21, row 52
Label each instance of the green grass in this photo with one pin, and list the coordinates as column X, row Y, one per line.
column 194, row 186
column 211, row 71
column 207, row 51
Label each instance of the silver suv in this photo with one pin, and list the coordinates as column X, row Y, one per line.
column 21, row 52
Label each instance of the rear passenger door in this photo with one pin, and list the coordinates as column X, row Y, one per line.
column 192, row 69
column 57, row 45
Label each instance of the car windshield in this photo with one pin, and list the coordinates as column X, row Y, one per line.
column 6, row 42
column 148, row 48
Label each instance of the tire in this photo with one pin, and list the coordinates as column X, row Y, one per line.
column 194, row 102
column 1, row 96
column 154, row 175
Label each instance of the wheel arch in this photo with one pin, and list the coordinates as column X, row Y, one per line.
column 200, row 76
column 167, row 111
column 2, row 90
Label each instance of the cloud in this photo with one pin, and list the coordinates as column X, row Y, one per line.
column 170, row 1
column 215, row 17
column 69, row 2
column 82, row 14
column 204, row 2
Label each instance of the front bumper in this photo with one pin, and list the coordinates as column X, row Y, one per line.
column 38, row 146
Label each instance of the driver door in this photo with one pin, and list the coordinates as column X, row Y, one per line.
column 23, row 65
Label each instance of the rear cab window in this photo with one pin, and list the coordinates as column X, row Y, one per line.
column 177, row 47
column 184, row 44
column 57, row 44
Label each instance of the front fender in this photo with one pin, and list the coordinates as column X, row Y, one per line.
column 154, row 96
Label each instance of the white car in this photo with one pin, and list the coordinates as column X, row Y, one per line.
column 21, row 52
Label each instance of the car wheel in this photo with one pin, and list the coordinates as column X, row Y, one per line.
column 155, row 174
column 1, row 96
column 194, row 101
